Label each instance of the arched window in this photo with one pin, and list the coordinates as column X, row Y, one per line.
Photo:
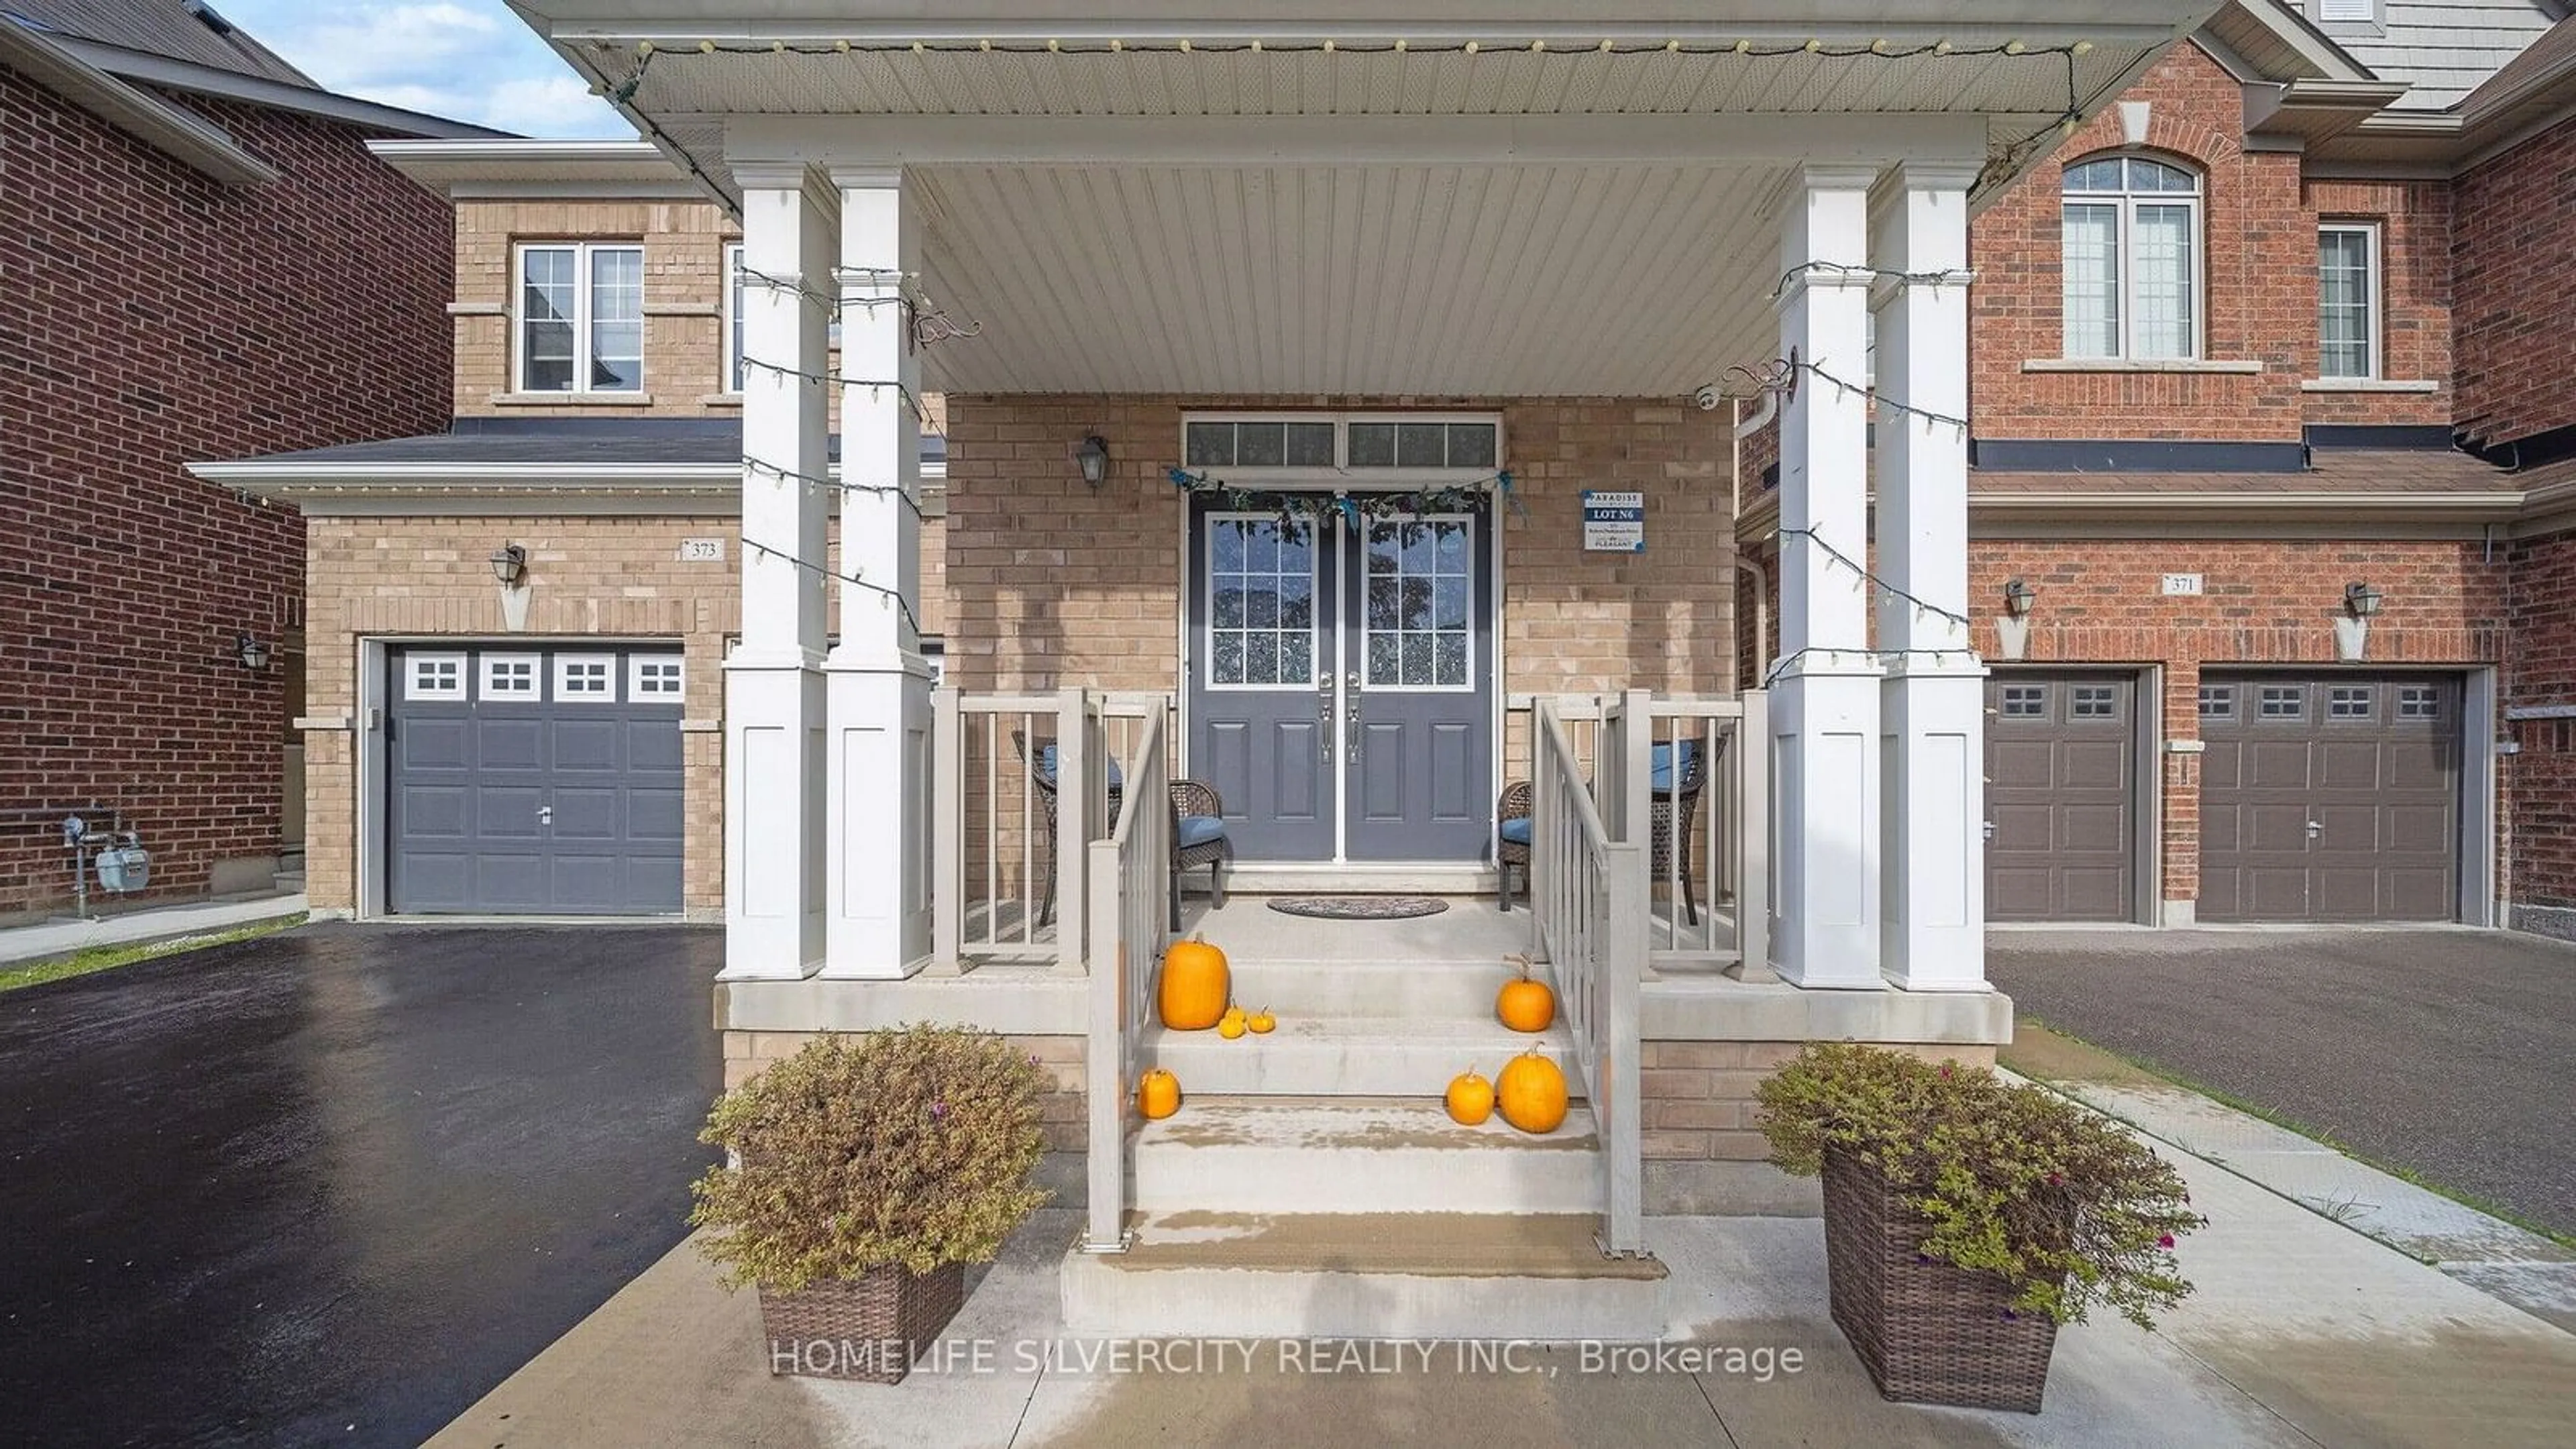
column 2132, row 239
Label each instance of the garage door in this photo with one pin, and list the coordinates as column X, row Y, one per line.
column 534, row 781
column 2061, row 792
column 2329, row 798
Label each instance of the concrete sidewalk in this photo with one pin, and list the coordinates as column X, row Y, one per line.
column 46, row 940
column 2303, row 1333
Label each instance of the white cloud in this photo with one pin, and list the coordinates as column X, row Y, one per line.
column 470, row 60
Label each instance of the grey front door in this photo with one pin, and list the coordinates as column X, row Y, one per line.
column 1341, row 683
column 2329, row 798
column 526, row 780
column 2061, row 786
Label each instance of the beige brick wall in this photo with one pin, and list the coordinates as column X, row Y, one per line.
column 1699, row 1098
column 748, row 1053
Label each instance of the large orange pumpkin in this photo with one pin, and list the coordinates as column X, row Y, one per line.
column 1195, row 985
column 1158, row 1094
column 1525, row 1005
column 1531, row 1093
column 1470, row 1099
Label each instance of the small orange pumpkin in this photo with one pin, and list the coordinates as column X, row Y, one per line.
column 1233, row 1025
column 1262, row 1022
column 1158, row 1094
column 1195, row 985
column 1470, row 1099
column 1531, row 1093
column 1525, row 1005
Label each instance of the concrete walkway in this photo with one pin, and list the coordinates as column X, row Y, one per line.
column 46, row 940
column 2303, row 1333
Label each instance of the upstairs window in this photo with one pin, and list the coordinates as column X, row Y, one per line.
column 581, row 318
column 2132, row 260
column 2347, row 301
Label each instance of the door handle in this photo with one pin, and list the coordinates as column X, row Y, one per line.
column 1352, row 745
column 546, row 815
column 2315, row 829
column 1990, row 830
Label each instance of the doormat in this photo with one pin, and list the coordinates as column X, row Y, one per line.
column 1358, row 908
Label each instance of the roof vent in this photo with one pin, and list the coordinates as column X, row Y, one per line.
column 212, row 21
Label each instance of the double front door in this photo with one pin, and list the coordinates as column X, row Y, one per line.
column 1341, row 681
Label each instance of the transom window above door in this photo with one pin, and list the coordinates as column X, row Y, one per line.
column 1413, row 445
column 2131, row 235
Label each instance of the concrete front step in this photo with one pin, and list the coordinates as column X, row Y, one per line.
column 1460, row 989
column 1350, row 1056
column 1359, row 1155
column 1365, row 1276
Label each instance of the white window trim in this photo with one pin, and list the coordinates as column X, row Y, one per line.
column 1314, row 605
column 730, row 385
column 564, row 692
column 411, row 677
column 1341, row 473
column 487, row 668
column 1475, row 635
column 2373, row 291
column 2128, row 201
column 637, row 693
column 581, row 290
column 2374, row 21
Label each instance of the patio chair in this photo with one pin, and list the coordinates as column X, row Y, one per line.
column 1511, row 840
column 1666, row 807
column 1198, row 823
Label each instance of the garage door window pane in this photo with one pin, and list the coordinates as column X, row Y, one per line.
column 2025, row 701
column 2349, row 701
column 2096, row 701
column 434, row 676
column 2218, row 701
column 510, row 677
column 586, row 676
column 2284, row 701
column 2418, row 701
column 655, row 681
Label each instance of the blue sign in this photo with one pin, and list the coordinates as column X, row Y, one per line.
column 1614, row 522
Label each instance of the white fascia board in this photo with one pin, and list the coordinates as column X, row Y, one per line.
column 509, row 167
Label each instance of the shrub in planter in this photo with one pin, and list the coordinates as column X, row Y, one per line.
column 864, row 1172
column 1966, row 1217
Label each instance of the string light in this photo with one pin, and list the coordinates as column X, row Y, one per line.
column 1780, row 668
column 874, row 385
column 1880, row 48
column 1779, row 375
column 1855, row 269
column 1863, row 577
column 891, row 596
column 817, row 482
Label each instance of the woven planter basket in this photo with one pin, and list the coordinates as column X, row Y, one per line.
column 1930, row 1332
column 871, row 1329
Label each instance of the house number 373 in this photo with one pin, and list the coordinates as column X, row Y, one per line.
column 702, row 550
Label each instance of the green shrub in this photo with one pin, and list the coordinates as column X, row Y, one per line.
column 2067, row 1205
column 911, row 1147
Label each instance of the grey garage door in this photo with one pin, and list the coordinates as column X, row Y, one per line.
column 2061, row 796
column 534, row 780
column 2330, row 798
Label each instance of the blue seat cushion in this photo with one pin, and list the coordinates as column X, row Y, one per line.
column 1517, row 830
column 1046, row 767
column 1200, row 830
column 1660, row 765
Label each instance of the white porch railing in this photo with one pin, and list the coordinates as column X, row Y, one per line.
column 1131, row 881
column 1684, row 777
column 1588, row 911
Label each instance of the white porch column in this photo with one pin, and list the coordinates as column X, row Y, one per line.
column 1933, row 703
column 1824, row 703
column 773, row 684
column 878, row 874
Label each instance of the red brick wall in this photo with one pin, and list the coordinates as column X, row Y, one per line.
column 2515, row 352
column 2541, row 671
column 2414, row 219
column 151, row 317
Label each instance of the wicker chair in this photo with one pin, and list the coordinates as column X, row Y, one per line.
column 1667, row 806
column 1193, row 844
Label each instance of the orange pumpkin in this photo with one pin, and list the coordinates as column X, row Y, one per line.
column 1531, row 1093
column 1195, row 985
column 1470, row 1099
column 1526, row 1005
column 1233, row 1025
column 1158, row 1094
column 1262, row 1022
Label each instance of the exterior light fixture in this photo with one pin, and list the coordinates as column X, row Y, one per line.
column 510, row 564
column 1093, row 455
column 2019, row 598
column 2360, row 600
column 252, row 653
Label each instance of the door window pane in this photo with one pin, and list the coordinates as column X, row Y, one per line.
column 1421, row 578
column 1261, row 589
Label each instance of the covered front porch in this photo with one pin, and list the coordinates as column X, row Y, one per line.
column 1099, row 233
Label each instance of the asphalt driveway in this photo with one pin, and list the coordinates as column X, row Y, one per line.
column 2445, row 1052
column 332, row 1185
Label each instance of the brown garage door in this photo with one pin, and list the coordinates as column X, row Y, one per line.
column 2330, row 798
column 2061, row 789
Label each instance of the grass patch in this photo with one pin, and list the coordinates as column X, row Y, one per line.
column 108, row 958
column 2055, row 1055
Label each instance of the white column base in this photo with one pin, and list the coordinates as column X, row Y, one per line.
column 1825, row 754
column 878, row 827
column 773, row 817
column 1933, row 731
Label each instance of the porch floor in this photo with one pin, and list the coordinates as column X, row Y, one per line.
column 1470, row 930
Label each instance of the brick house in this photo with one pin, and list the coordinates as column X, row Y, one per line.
column 176, row 198
column 1304, row 406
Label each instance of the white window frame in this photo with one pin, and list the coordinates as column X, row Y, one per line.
column 564, row 664
column 1368, row 631
column 1315, row 535
column 2373, row 15
column 453, row 689
column 638, row 691
column 732, row 379
column 487, row 667
column 2375, row 319
column 2128, row 200
column 582, row 287
column 1341, row 473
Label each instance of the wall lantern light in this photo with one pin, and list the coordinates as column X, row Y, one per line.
column 1093, row 455
column 510, row 565
column 2360, row 600
column 2019, row 598
column 252, row 653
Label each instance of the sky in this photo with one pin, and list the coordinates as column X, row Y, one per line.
column 469, row 60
